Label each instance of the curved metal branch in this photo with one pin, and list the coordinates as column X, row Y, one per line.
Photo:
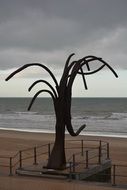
column 113, row 71
column 35, row 96
column 74, row 72
column 94, row 58
column 68, row 119
column 71, row 131
column 33, row 64
column 84, row 80
column 44, row 81
column 68, row 60
column 80, row 63
column 64, row 77
column 92, row 72
column 88, row 67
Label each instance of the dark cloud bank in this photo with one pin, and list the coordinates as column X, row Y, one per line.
column 49, row 30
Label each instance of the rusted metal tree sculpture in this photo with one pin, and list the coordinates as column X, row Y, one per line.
column 61, row 96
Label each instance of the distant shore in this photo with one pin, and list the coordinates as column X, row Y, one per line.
column 13, row 141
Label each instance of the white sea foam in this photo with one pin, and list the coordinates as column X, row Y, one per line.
column 100, row 116
column 118, row 116
column 46, row 123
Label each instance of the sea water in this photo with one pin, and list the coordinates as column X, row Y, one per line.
column 102, row 116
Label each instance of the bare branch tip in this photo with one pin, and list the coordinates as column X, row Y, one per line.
column 7, row 78
column 29, row 89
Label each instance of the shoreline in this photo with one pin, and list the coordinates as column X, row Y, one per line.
column 53, row 132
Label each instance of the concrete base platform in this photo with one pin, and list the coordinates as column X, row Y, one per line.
column 100, row 173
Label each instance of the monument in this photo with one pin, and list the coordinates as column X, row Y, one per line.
column 61, row 94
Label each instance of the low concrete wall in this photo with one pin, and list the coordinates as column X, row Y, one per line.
column 99, row 173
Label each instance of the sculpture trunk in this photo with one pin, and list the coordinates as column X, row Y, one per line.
column 57, row 158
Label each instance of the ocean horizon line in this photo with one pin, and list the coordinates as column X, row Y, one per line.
column 72, row 97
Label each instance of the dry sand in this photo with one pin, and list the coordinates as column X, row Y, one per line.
column 12, row 141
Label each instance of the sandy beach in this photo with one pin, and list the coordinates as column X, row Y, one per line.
column 12, row 141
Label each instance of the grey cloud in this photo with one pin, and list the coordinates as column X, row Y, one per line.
column 49, row 30
column 38, row 34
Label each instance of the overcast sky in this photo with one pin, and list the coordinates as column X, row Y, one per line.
column 47, row 31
